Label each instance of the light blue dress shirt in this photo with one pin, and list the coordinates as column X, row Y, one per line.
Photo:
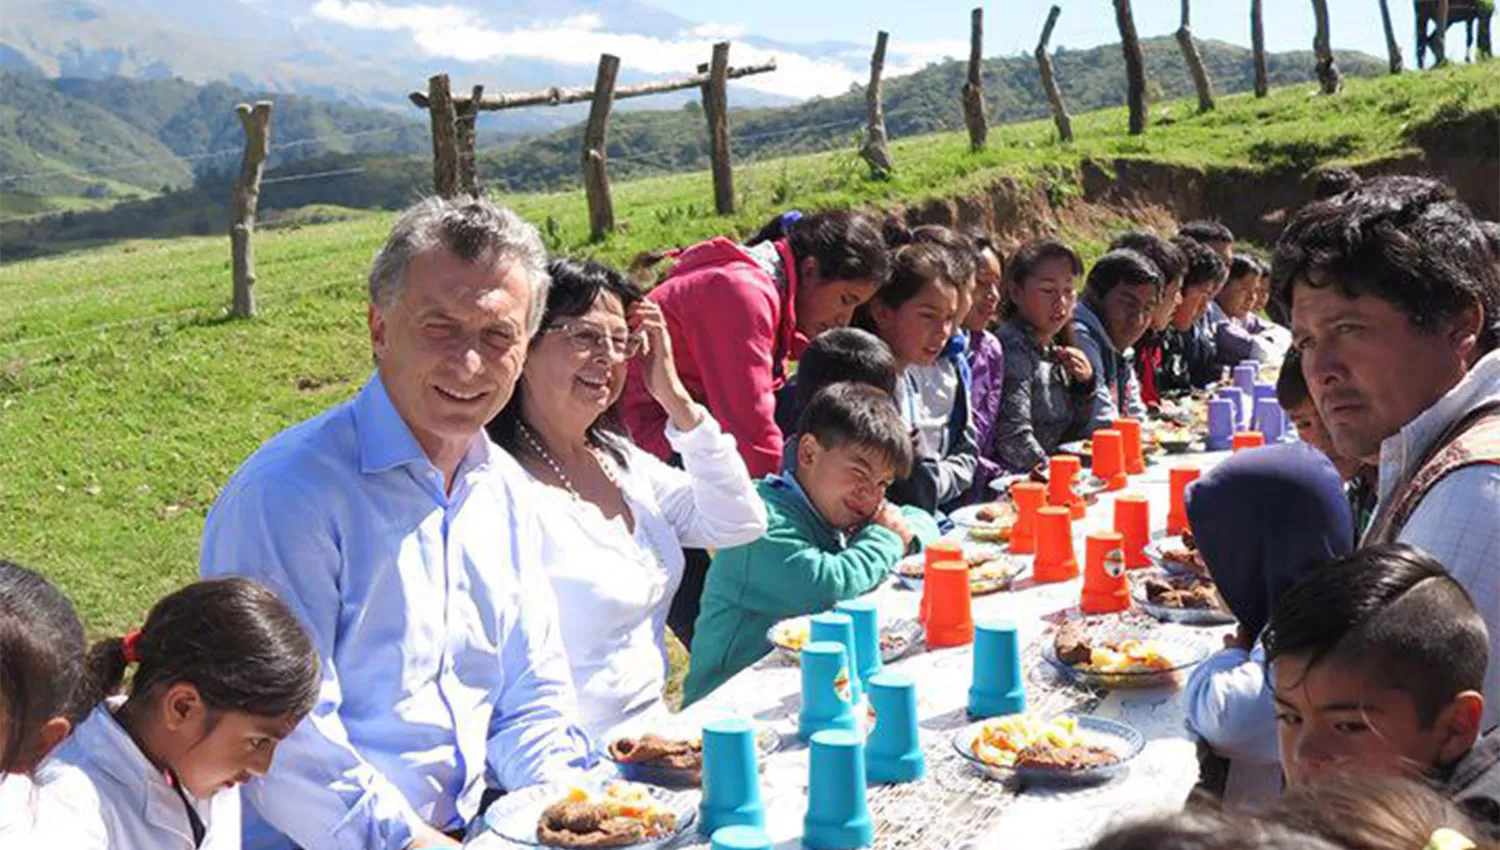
column 442, row 664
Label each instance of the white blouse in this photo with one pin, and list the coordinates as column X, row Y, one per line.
column 113, row 798
column 613, row 587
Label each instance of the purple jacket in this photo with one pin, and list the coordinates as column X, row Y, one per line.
column 987, row 365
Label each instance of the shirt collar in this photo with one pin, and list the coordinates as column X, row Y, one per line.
column 110, row 747
column 1480, row 385
column 386, row 441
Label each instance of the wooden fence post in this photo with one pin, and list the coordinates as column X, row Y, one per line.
column 465, row 118
column 595, row 144
column 876, row 150
column 444, row 136
column 716, row 107
column 1392, row 48
column 973, row 91
column 1258, row 48
column 1049, row 81
column 256, row 123
column 1135, row 66
column 1439, row 41
column 1328, row 73
column 1194, row 61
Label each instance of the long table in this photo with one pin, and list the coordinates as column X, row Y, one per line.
column 955, row 807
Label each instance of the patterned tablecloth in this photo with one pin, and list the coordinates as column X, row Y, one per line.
column 954, row 807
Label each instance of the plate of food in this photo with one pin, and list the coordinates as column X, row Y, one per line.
column 607, row 814
column 1082, row 448
column 1063, row 750
column 1174, row 597
column 990, row 522
column 1177, row 439
column 897, row 638
column 673, row 762
column 1118, row 660
column 1177, row 555
column 991, row 573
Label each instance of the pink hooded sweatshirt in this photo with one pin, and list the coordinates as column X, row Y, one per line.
column 733, row 328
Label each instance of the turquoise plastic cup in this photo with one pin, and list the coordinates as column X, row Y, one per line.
column 731, row 777
column 893, row 751
column 839, row 628
column 866, row 619
column 997, row 687
column 826, row 702
column 838, row 815
column 740, row 838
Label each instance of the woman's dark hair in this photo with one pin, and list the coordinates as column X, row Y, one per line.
column 1369, row 811
column 1205, row 230
column 860, row 414
column 847, row 245
column 1404, row 240
column 41, row 660
column 576, row 285
column 1121, row 266
column 1024, row 263
column 1391, row 610
column 1167, row 258
column 958, row 249
column 913, row 266
column 1204, row 266
column 231, row 638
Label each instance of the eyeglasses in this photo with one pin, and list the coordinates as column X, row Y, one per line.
column 593, row 339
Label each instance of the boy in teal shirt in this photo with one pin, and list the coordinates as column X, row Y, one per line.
column 831, row 534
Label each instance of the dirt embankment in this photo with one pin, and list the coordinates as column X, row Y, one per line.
column 1254, row 202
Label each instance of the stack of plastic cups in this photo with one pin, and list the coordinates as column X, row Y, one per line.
column 1104, row 586
column 866, row 619
column 1235, row 398
column 1135, row 454
column 950, row 614
column 893, row 751
column 826, row 700
column 839, row 628
column 1262, row 391
column 1221, row 427
column 1109, row 459
column 731, row 778
column 1030, row 497
column 1245, row 376
column 838, row 813
column 937, row 552
column 1270, row 420
column 1133, row 521
column 997, row 687
column 1178, row 481
column 1055, row 559
column 1060, row 493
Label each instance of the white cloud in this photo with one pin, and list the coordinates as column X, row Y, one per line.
column 453, row 32
column 711, row 30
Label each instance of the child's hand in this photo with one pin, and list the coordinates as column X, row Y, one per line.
column 1077, row 363
column 889, row 517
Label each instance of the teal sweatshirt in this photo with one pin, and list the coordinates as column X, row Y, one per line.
column 802, row 565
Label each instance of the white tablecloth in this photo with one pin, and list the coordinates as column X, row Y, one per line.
column 954, row 807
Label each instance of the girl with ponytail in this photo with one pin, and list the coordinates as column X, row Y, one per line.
column 223, row 672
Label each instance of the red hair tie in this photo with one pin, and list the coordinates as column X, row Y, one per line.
column 128, row 647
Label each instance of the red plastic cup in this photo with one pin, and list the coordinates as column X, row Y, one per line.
column 950, row 622
column 1029, row 496
column 1104, row 587
column 1133, row 521
column 1055, row 560
column 1249, row 440
column 1109, row 458
column 1064, row 470
column 1135, row 453
column 937, row 552
column 1178, row 480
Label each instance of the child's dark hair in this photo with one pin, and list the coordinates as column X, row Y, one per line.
column 1368, row 811
column 1245, row 264
column 1025, row 262
column 846, row 412
column 1291, row 385
column 1167, row 257
column 231, row 638
column 1392, row 611
column 41, row 660
column 844, row 354
column 1122, row 266
column 958, row 249
column 576, row 285
column 1204, row 231
column 1204, row 266
column 913, row 267
column 847, row 245
column 984, row 243
column 1404, row 240
column 1203, row 828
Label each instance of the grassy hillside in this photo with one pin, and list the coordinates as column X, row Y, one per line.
column 126, row 398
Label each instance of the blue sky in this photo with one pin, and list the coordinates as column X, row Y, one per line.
column 1013, row 25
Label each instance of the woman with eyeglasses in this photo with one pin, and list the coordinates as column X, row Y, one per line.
column 1048, row 396
column 615, row 519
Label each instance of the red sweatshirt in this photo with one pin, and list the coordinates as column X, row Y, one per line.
column 733, row 330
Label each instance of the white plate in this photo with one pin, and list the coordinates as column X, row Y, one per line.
column 1154, row 551
column 1120, row 737
column 905, row 634
column 1183, row 652
column 515, row 816
column 968, row 516
column 1170, row 614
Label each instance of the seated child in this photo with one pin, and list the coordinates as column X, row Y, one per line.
column 1360, row 478
column 1377, row 661
column 1188, row 359
column 832, row 535
column 1119, row 299
column 225, row 672
column 1373, row 812
column 838, row 354
column 41, row 663
column 985, row 357
column 1170, row 264
column 1261, row 520
column 1239, row 333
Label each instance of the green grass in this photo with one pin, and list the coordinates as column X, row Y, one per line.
column 126, row 399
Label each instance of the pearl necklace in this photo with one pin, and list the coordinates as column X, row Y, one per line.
column 534, row 442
